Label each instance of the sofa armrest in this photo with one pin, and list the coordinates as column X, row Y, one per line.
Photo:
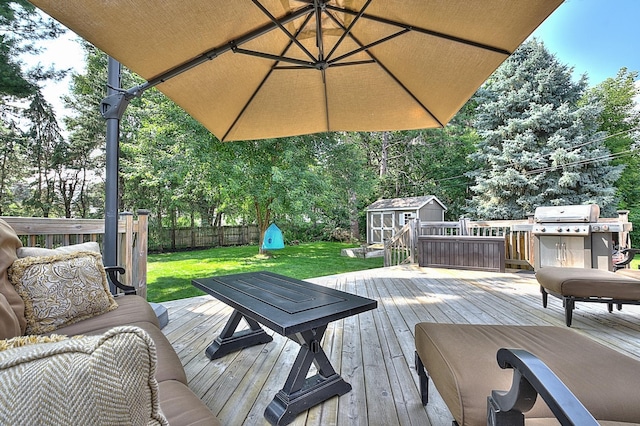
column 532, row 377
column 111, row 272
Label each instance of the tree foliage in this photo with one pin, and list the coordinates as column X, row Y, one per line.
column 620, row 119
column 538, row 147
column 21, row 27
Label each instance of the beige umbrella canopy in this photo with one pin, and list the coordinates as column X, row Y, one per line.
column 254, row 69
column 257, row 69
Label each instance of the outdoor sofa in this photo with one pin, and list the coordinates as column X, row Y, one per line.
column 579, row 379
column 589, row 285
column 77, row 355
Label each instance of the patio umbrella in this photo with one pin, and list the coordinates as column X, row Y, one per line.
column 256, row 69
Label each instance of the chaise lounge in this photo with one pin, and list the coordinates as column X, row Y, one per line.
column 589, row 285
column 595, row 382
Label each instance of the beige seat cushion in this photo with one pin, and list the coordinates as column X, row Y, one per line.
column 134, row 310
column 182, row 407
column 461, row 361
column 77, row 381
column 580, row 282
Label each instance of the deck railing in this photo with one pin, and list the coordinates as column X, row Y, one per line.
column 402, row 248
column 56, row 232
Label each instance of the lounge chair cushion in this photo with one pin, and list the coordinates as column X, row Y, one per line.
column 629, row 273
column 580, row 282
column 75, row 381
column 461, row 362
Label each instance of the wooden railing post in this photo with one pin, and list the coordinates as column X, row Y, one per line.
column 141, row 248
column 125, row 258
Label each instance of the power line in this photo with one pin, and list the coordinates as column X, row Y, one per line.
column 579, row 162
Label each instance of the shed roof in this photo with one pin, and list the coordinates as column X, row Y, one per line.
column 405, row 203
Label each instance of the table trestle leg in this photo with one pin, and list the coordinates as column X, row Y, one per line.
column 301, row 392
column 231, row 340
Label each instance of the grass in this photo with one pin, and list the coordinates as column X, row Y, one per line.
column 169, row 275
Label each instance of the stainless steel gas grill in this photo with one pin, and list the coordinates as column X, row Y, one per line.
column 573, row 236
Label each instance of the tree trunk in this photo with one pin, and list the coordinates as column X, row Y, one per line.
column 160, row 236
column 384, row 154
column 173, row 229
column 353, row 215
column 263, row 215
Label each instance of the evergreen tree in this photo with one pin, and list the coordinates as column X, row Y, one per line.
column 21, row 28
column 538, row 147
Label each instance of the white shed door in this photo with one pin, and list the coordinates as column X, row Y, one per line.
column 382, row 226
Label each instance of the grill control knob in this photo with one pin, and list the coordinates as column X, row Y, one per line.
column 543, row 229
column 576, row 229
column 605, row 227
column 595, row 228
column 559, row 229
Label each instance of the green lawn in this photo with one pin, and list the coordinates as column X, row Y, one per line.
column 169, row 275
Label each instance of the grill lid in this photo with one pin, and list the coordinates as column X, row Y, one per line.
column 564, row 214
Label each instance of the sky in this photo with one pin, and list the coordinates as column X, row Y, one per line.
column 596, row 37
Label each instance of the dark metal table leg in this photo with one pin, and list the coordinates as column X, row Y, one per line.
column 231, row 340
column 301, row 392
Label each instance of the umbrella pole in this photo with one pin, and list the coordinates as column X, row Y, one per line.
column 110, row 249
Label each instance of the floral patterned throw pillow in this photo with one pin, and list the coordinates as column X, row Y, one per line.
column 62, row 289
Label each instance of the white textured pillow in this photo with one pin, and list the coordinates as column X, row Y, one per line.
column 93, row 380
column 61, row 290
column 38, row 251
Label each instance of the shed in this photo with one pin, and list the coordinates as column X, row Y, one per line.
column 386, row 217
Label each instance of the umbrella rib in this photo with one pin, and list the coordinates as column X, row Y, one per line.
column 342, row 64
column 375, row 43
column 319, row 40
column 321, row 60
column 283, row 29
column 348, row 30
column 422, row 30
column 299, row 62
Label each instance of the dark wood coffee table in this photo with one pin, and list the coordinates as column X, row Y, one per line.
column 296, row 309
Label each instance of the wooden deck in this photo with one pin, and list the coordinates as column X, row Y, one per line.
column 374, row 351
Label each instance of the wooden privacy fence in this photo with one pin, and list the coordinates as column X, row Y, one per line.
column 56, row 232
column 204, row 237
column 518, row 250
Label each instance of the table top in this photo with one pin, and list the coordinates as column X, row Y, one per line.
column 285, row 305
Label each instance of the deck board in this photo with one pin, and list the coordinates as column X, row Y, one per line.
column 374, row 351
